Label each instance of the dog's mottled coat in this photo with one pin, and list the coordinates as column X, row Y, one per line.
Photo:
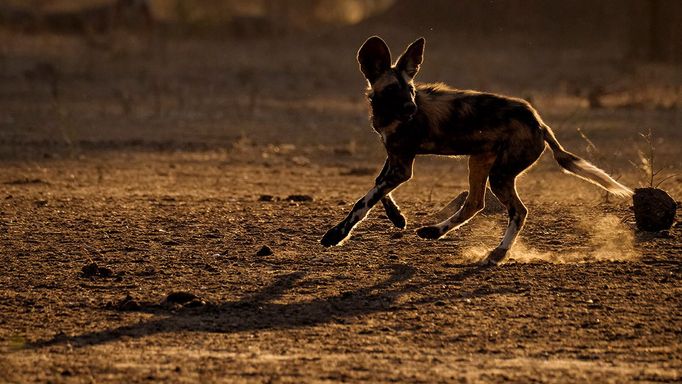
column 503, row 136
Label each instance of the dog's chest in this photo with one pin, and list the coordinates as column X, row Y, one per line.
column 387, row 131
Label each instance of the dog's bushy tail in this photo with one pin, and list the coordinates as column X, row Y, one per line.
column 582, row 168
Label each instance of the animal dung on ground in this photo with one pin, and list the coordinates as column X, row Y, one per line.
column 654, row 209
column 264, row 251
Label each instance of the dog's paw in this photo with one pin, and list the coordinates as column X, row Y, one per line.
column 398, row 220
column 333, row 237
column 494, row 257
column 429, row 232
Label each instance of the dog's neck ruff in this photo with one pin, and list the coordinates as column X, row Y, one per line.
column 387, row 129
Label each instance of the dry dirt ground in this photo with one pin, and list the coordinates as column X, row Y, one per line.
column 174, row 181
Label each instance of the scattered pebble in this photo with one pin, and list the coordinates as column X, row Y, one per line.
column 89, row 270
column 195, row 303
column 299, row 198
column 264, row 251
column 40, row 203
column 92, row 270
column 128, row 303
column 180, row 297
column 266, row 198
column 105, row 272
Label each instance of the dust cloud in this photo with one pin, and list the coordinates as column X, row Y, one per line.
column 608, row 239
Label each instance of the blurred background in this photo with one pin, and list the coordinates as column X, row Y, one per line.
column 92, row 75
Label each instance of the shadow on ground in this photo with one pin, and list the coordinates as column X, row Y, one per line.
column 257, row 311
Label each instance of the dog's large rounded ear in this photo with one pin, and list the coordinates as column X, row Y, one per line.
column 374, row 58
column 412, row 58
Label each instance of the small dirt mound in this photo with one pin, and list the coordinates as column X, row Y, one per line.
column 654, row 209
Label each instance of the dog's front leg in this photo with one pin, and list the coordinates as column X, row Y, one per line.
column 392, row 210
column 396, row 171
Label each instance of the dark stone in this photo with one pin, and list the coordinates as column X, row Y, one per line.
column 266, row 198
column 128, row 304
column 180, row 297
column 264, row 251
column 654, row 209
column 105, row 272
column 90, row 270
column 299, row 198
column 195, row 303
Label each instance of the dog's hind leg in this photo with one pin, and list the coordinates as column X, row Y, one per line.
column 393, row 212
column 504, row 187
column 479, row 167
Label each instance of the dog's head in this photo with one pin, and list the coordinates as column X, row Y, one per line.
column 392, row 92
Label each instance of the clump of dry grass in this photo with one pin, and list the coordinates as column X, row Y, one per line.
column 647, row 160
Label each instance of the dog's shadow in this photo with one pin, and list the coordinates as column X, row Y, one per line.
column 258, row 311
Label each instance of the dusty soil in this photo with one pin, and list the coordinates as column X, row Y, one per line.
column 182, row 199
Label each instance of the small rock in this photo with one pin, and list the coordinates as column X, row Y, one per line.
column 195, row 303
column 264, row 251
column 40, row 203
column 300, row 198
column 180, row 297
column 89, row 270
column 128, row 304
column 266, row 198
column 105, row 272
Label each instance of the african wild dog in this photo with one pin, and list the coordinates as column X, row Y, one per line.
column 503, row 137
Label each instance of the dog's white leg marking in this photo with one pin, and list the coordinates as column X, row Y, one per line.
column 509, row 236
